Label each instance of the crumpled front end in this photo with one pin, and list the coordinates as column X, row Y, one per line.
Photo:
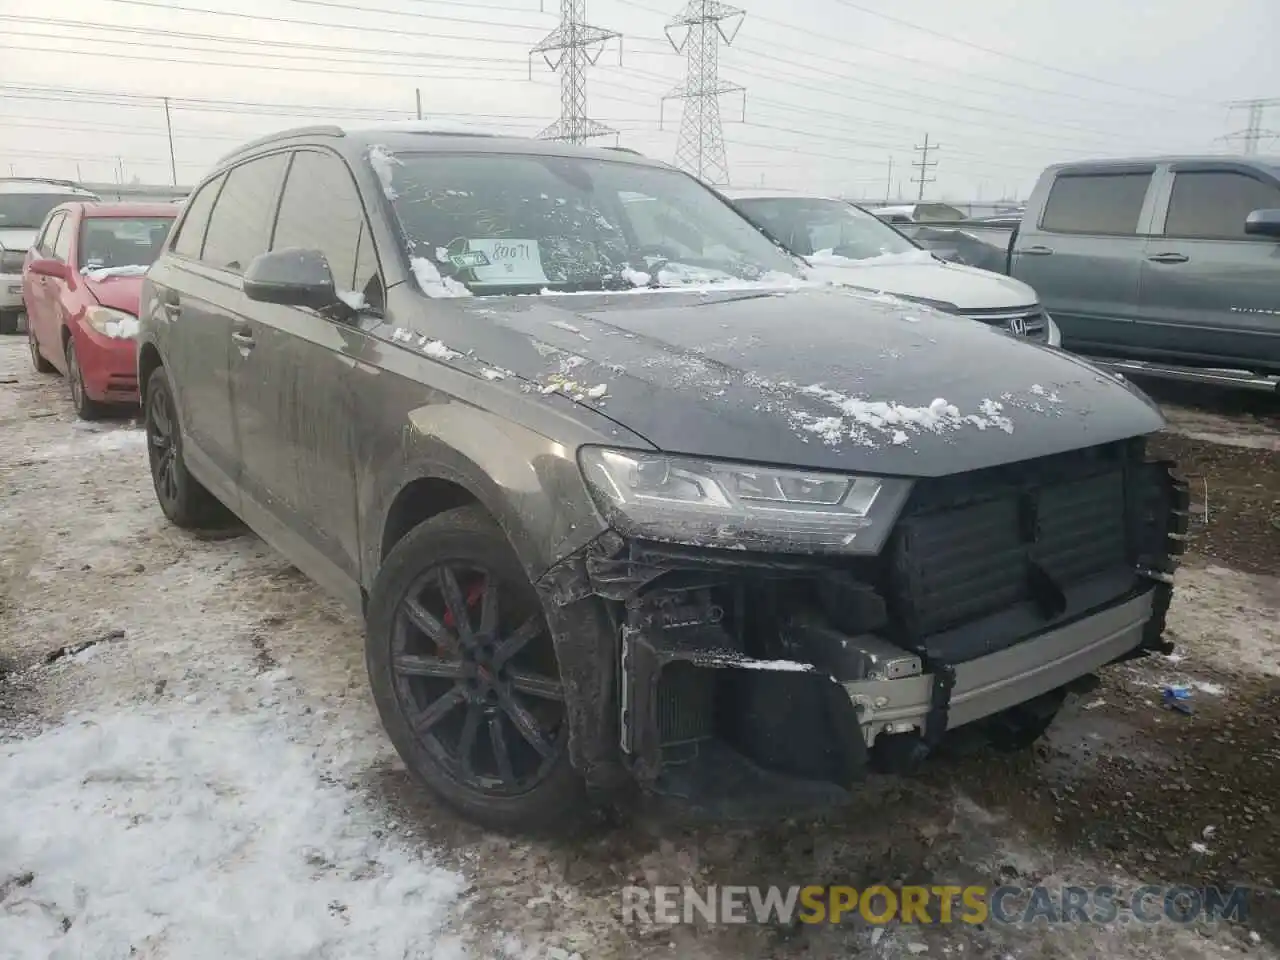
column 745, row 680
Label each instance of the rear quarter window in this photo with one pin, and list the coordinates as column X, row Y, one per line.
column 1097, row 203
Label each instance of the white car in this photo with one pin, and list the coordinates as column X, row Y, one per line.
column 24, row 203
column 847, row 245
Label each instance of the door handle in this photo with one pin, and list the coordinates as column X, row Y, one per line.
column 1036, row 251
column 1169, row 258
column 243, row 340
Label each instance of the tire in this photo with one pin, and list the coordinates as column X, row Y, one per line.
column 1020, row 727
column 9, row 321
column 183, row 499
column 86, row 407
column 38, row 362
column 435, row 687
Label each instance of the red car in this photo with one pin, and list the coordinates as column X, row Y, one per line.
column 80, row 284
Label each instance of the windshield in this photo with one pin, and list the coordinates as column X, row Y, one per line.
column 513, row 223
column 122, row 241
column 810, row 226
column 26, row 211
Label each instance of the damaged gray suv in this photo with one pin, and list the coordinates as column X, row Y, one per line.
column 623, row 495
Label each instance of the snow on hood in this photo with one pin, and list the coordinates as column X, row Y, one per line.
column 832, row 259
column 99, row 274
column 824, row 378
column 919, row 274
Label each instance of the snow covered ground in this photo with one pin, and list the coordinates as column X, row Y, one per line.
column 191, row 767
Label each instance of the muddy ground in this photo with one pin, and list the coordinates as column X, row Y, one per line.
column 104, row 607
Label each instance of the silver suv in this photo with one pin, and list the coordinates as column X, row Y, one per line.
column 24, row 203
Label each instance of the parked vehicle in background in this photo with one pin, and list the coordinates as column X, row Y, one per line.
column 850, row 246
column 24, row 204
column 1166, row 266
column 80, row 284
column 919, row 213
column 622, row 496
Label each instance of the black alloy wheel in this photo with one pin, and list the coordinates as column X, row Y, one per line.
column 181, row 496
column 477, row 678
column 464, row 671
column 162, row 448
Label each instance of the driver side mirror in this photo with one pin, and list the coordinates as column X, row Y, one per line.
column 48, row 267
column 1263, row 223
column 292, row 277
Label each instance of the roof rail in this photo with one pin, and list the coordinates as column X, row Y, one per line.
column 626, row 150
column 316, row 130
column 61, row 183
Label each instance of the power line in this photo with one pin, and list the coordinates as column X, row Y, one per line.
column 112, row 55
column 924, row 166
column 578, row 45
column 700, row 147
column 1009, row 56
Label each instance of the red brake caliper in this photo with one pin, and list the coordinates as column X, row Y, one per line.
column 473, row 597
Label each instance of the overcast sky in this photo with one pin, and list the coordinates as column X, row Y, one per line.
column 835, row 93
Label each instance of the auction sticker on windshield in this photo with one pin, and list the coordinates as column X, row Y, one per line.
column 505, row 261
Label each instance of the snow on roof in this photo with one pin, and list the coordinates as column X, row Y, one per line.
column 47, row 187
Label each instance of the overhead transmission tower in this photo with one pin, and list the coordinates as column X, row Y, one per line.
column 924, row 165
column 569, row 49
column 1253, row 132
column 697, row 32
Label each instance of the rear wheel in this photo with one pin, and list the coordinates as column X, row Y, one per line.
column 86, row 407
column 465, row 676
column 38, row 361
column 182, row 497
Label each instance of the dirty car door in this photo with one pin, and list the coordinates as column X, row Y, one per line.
column 292, row 382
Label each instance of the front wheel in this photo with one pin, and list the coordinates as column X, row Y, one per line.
column 182, row 497
column 38, row 362
column 465, row 676
column 86, row 407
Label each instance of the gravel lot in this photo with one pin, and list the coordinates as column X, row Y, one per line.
column 191, row 765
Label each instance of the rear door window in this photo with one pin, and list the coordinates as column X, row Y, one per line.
column 1107, row 204
column 1213, row 204
column 190, row 236
column 240, row 225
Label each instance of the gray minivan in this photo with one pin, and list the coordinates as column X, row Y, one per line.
column 1174, row 260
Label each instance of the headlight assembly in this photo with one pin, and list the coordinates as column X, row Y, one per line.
column 738, row 506
column 112, row 323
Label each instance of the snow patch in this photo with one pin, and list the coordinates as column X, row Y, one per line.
column 202, row 834
column 860, row 419
column 490, row 374
column 637, row 278
column 353, row 299
column 438, row 351
column 432, row 283
column 384, row 163
column 402, row 335
column 106, row 273
column 829, row 258
column 565, row 326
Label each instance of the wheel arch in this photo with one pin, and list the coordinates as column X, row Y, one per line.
column 149, row 360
